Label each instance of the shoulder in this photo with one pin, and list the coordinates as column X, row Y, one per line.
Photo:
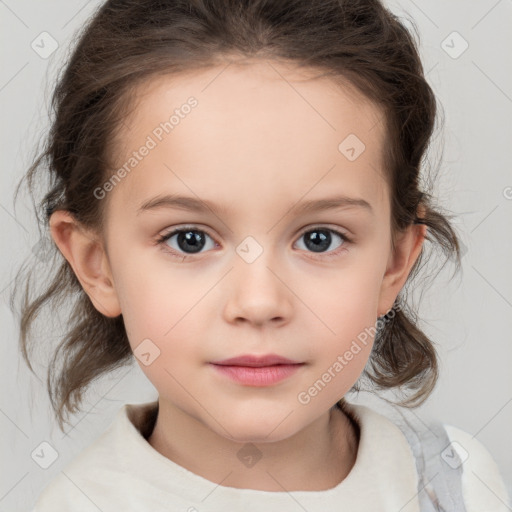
column 82, row 483
column 101, row 477
column 482, row 484
column 450, row 463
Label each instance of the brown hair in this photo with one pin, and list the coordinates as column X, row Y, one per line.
column 128, row 42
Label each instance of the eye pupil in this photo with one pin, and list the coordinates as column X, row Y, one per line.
column 192, row 239
column 320, row 240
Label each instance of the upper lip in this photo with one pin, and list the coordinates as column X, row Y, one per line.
column 256, row 361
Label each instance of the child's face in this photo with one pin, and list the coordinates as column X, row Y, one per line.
column 257, row 145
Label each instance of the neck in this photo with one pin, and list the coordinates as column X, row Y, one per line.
column 317, row 458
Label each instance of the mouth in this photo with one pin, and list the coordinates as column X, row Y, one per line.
column 257, row 375
column 257, row 361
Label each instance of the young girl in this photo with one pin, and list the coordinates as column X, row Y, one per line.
column 236, row 199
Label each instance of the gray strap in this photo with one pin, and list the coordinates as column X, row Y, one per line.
column 440, row 482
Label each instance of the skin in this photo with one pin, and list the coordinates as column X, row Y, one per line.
column 263, row 138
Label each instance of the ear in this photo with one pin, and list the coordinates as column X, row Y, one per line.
column 84, row 251
column 407, row 250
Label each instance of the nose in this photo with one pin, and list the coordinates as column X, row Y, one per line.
column 257, row 293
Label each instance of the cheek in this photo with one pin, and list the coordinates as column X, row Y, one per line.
column 346, row 299
column 346, row 306
column 147, row 296
column 162, row 328
column 162, row 306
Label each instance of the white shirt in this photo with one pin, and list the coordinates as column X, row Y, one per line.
column 121, row 471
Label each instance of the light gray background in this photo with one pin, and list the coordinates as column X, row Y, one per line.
column 470, row 317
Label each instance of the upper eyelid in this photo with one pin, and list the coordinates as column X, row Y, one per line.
column 193, row 227
column 347, row 240
column 173, row 231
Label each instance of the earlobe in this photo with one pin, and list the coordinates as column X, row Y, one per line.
column 85, row 253
column 400, row 263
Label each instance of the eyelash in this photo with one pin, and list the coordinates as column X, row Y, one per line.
column 163, row 238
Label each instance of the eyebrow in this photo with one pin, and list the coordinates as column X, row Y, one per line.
column 203, row 206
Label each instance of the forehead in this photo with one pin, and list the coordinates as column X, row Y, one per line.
column 258, row 129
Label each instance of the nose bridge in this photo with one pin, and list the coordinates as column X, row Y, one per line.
column 255, row 259
column 257, row 293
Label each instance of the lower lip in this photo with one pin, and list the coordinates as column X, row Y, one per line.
column 258, row 376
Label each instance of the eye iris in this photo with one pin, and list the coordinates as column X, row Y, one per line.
column 190, row 241
column 319, row 239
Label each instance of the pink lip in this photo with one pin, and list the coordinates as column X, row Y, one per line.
column 255, row 360
column 258, row 375
column 257, row 370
